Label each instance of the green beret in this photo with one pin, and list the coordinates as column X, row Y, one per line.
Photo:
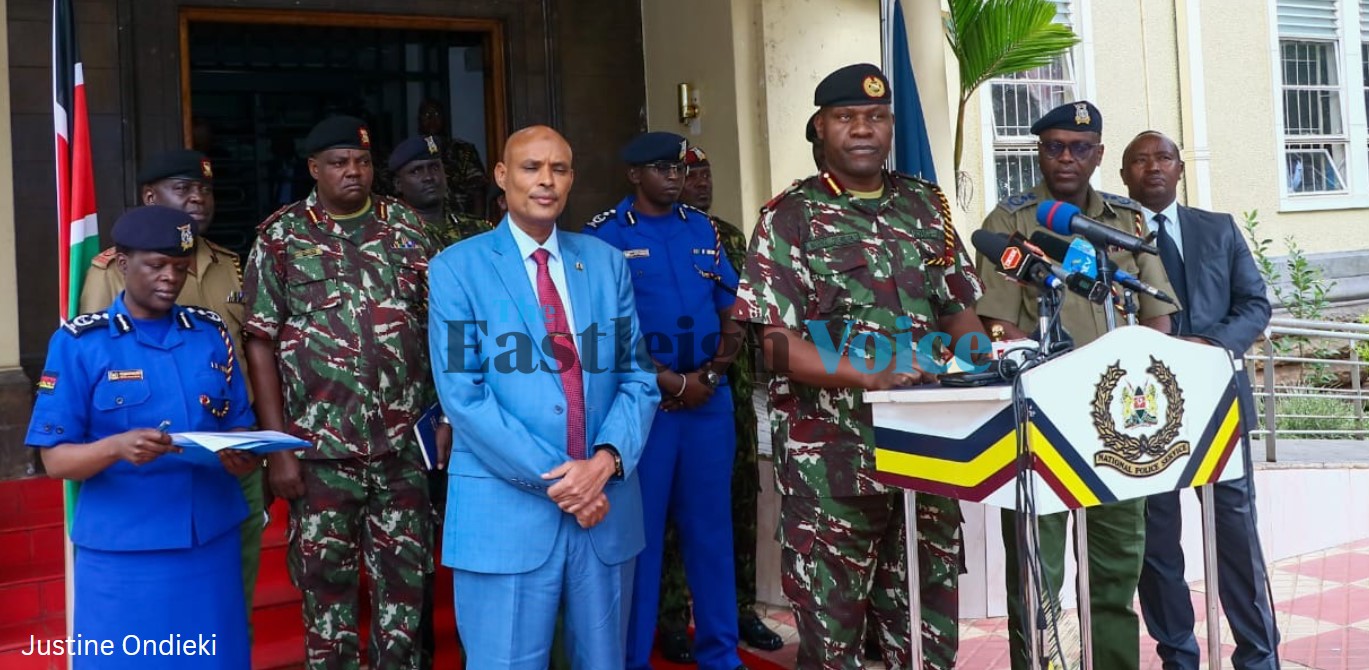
column 655, row 146
column 177, row 164
column 338, row 132
column 860, row 84
column 1081, row 116
column 164, row 230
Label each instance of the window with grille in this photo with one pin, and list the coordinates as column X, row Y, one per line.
column 1315, row 132
column 1019, row 100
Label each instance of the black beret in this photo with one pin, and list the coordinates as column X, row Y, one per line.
column 860, row 84
column 655, row 146
column 422, row 147
column 178, row 164
column 1081, row 116
column 165, row 230
column 338, row 132
column 811, row 132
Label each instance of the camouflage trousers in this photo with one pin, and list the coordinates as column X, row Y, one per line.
column 673, row 615
column 842, row 558
column 355, row 509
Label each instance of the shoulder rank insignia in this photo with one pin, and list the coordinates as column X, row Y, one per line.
column 1119, row 201
column 275, row 216
column 204, row 314
column 1016, row 202
column 104, row 258
column 85, row 323
column 775, row 201
column 690, row 209
column 601, row 217
column 382, row 210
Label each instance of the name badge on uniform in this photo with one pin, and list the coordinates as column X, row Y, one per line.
column 707, row 252
column 927, row 234
column 636, row 253
column 125, row 375
column 235, row 297
column 307, row 253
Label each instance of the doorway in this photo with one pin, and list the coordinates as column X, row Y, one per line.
column 253, row 82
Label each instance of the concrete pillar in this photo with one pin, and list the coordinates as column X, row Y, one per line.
column 15, row 388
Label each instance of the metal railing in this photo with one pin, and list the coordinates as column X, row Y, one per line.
column 1270, row 393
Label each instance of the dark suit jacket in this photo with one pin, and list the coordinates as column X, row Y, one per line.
column 1226, row 294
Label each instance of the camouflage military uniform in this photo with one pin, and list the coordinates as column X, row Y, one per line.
column 466, row 180
column 674, row 608
column 346, row 303
column 457, row 227
column 215, row 284
column 820, row 253
column 1117, row 531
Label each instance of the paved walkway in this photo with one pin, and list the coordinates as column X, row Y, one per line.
column 1321, row 601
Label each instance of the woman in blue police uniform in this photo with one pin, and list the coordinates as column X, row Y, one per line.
column 157, row 545
column 685, row 288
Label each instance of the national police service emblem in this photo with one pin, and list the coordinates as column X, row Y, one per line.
column 1125, row 448
column 206, row 169
column 684, row 148
column 873, row 87
column 187, row 237
column 1081, row 114
column 432, row 144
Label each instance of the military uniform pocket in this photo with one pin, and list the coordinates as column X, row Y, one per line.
column 117, row 401
column 311, row 284
column 842, row 280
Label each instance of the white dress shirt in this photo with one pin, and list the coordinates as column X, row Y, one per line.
column 1171, row 225
column 557, row 269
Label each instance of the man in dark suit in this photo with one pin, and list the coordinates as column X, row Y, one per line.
column 1224, row 304
column 535, row 340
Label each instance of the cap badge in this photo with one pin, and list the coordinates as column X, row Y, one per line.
column 187, row 237
column 684, row 148
column 432, row 145
column 365, row 137
column 1081, row 114
column 873, row 87
column 206, row 169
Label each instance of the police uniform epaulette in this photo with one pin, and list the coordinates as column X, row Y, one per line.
column 601, row 217
column 204, row 314
column 275, row 216
column 693, row 209
column 1119, row 201
column 1015, row 202
column 85, row 323
column 779, row 197
column 104, row 258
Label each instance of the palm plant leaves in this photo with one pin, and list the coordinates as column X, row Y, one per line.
column 993, row 38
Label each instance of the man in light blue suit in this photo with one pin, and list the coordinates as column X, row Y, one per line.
column 550, row 402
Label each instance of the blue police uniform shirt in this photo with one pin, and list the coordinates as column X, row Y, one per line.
column 680, row 275
column 106, row 374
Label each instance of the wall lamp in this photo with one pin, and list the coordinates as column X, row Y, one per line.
column 688, row 99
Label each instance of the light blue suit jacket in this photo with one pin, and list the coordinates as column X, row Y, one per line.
column 501, row 391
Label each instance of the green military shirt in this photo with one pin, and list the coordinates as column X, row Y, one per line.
column 456, row 227
column 1008, row 301
column 347, row 304
column 886, row 266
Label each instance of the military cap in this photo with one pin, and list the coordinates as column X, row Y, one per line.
column 695, row 156
column 422, row 147
column 1081, row 116
column 860, row 84
column 165, row 230
column 655, row 146
column 811, row 132
column 177, row 164
column 338, row 132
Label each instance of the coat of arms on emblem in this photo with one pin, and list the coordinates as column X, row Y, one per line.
column 1132, row 454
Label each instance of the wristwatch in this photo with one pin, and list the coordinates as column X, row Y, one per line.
column 617, row 460
column 710, row 379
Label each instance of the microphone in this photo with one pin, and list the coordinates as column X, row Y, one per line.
column 1062, row 218
column 1080, row 256
column 1018, row 259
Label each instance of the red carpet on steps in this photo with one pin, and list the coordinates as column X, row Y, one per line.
column 32, row 585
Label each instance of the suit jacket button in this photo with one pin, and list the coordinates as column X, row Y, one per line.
column 558, row 409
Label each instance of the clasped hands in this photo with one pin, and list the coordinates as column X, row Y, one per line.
column 690, row 387
column 580, row 490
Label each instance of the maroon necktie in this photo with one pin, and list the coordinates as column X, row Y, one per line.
column 567, row 360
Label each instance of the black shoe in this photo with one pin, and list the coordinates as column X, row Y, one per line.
column 676, row 647
column 872, row 650
column 756, row 634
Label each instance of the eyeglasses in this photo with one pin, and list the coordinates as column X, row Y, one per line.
column 667, row 167
column 1080, row 149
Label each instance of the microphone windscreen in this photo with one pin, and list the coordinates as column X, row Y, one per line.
column 990, row 244
column 1056, row 215
column 1054, row 247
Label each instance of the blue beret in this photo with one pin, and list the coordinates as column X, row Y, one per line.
column 860, row 84
column 655, row 146
column 165, row 230
column 422, row 147
column 338, row 132
column 1081, row 116
column 178, row 164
